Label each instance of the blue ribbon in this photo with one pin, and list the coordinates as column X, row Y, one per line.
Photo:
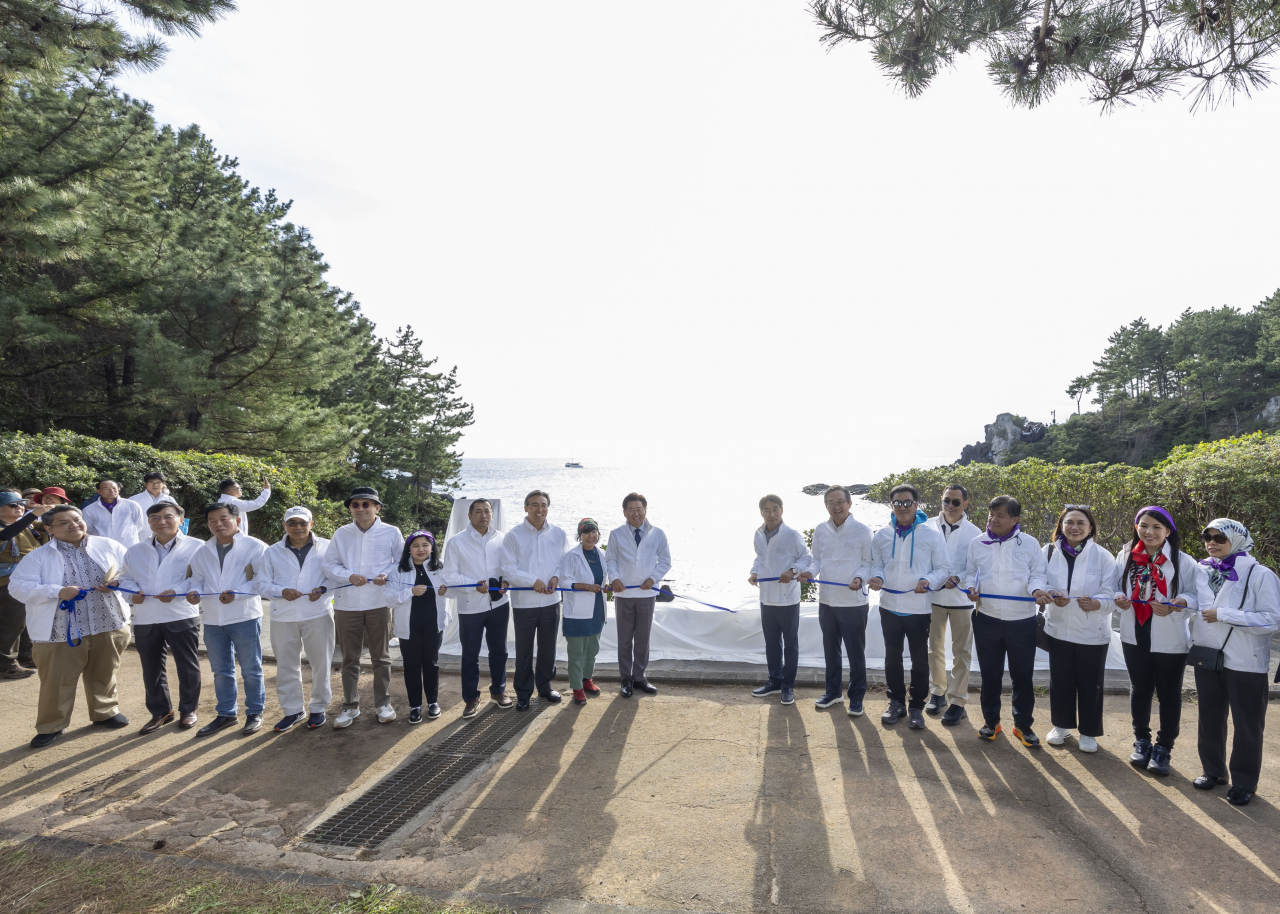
column 70, row 607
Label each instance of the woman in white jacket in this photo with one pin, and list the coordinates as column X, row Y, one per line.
column 1081, row 578
column 1239, row 623
column 582, row 571
column 420, row 619
column 1158, row 586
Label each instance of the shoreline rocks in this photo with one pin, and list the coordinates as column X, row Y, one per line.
column 820, row 488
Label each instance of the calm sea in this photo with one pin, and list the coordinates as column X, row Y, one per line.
column 710, row 513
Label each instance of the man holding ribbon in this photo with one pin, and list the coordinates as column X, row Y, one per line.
column 531, row 554
column 949, row 693
column 78, row 625
column 781, row 557
column 638, row 558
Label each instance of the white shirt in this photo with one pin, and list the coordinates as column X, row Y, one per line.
column 530, row 555
column 901, row 562
column 1249, row 619
column 280, row 572
column 1094, row 576
column 236, row 572
column 126, row 523
column 147, row 500
column 152, row 568
column 958, row 541
column 786, row 550
column 1015, row 567
column 1170, row 634
column 246, row 506
column 470, row 558
column 38, row 578
column 632, row 564
column 841, row 554
column 368, row 552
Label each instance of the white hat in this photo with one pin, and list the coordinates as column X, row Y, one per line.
column 298, row 511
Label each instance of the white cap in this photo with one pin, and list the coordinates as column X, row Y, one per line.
column 298, row 511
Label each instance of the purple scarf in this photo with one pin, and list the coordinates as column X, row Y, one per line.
column 992, row 539
column 1225, row 567
column 1066, row 547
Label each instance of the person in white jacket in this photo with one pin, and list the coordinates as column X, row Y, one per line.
column 292, row 578
column 155, row 489
column 1080, row 576
column 230, row 494
column 949, row 692
column 842, row 555
column 584, row 571
column 79, row 627
column 416, row 591
column 638, row 559
column 908, row 560
column 531, row 555
column 1006, row 563
column 1245, row 613
column 165, row 622
column 1158, row 588
column 226, row 565
column 781, row 553
column 114, row 517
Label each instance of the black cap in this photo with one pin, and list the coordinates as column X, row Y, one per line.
column 362, row 492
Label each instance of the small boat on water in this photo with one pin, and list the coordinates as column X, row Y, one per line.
column 574, row 464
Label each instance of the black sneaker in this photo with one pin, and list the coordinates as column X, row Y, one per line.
column 1207, row 782
column 218, row 723
column 788, row 697
column 522, row 704
column 1029, row 739
column 936, row 705
column 894, row 713
column 827, row 701
column 415, row 715
column 915, row 720
column 113, row 723
column 990, row 730
column 252, row 723
column 40, row 740
column 287, row 723
column 433, row 710
column 1141, row 753
column 954, row 715
column 767, row 689
column 1159, row 763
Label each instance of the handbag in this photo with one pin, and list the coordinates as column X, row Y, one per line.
column 1042, row 637
column 664, row 595
column 1209, row 659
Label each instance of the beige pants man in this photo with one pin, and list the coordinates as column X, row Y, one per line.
column 956, row 686
column 95, row 661
column 357, row 630
column 289, row 640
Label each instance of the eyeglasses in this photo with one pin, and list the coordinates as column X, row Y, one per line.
column 952, row 502
column 1077, row 507
column 1215, row 538
column 902, row 504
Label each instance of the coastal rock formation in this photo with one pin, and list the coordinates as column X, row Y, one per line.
column 1001, row 436
column 819, row 488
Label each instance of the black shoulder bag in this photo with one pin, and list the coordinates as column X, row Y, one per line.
column 1203, row 657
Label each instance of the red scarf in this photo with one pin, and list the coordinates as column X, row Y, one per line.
column 1146, row 576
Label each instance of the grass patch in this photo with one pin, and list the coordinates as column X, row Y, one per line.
column 35, row 881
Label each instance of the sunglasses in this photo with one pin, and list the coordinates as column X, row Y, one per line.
column 952, row 502
column 1077, row 507
column 364, row 504
column 902, row 504
column 1218, row 538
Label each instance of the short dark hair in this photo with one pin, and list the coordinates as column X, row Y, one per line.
column 905, row 487
column 959, row 488
column 161, row 505
column 59, row 509
column 534, row 494
column 221, row 506
column 634, row 496
column 102, row 482
column 1011, row 505
column 153, row 475
column 478, row 501
column 844, row 489
column 226, row 484
column 770, row 498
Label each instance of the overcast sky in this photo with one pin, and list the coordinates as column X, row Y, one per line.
column 692, row 218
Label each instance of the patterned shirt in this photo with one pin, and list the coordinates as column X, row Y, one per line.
column 97, row 612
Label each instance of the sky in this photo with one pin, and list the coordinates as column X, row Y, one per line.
column 689, row 231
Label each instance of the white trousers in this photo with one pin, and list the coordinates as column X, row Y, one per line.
column 289, row 640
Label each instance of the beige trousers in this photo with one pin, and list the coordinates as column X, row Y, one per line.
column 956, row 686
column 95, row 661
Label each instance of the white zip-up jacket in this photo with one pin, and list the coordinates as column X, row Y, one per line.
column 787, row 551
column 400, row 595
column 1250, row 619
column 901, row 565
column 575, row 569
column 280, row 571
column 632, row 564
column 246, row 505
column 530, row 555
column 236, row 573
column 1094, row 576
column 145, row 572
column 1015, row 567
column 38, row 578
column 370, row 552
column 126, row 523
column 470, row 558
column 1170, row 634
column 147, row 500
column 841, row 554
column 958, row 541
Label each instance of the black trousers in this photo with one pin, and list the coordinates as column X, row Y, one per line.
column 1245, row 696
column 154, row 644
column 781, row 627
column 993, row 641
column 915, row 630
column 421, row 655
column 13, row 626
column 490, row 627
column 847, row 626
column 1154, row 674
column 1076, row 677
column 535, row 623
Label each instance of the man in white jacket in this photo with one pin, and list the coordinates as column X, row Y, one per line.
column 363, row 554
column 114, row 517
column 155, row 489
column 531, row 554
column 226, row 565
column 165, row 623
column 908, row 559
column 780, row 553
column 637, row 559
column 952, row 605
column 81, row 643
column 1007, row 562
column 293, row 580
column 230, row 494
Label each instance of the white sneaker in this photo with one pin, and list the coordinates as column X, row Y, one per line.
column 386, row 714
column 394, row 642
column 1088, row 744
column 343, row 720
column 1057, row 736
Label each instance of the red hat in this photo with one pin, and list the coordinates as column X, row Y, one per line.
column 54, row 490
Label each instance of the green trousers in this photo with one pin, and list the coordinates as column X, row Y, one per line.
column 582, row 659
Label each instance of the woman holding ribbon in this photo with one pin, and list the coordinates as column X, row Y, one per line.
column 582, row 571
column 1081, row 579
column 1237, row 629
column 420, row 615
column 1158, row 587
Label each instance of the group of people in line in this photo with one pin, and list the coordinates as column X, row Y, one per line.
column 999, row 591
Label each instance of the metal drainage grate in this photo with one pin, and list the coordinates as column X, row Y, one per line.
column 386, row 807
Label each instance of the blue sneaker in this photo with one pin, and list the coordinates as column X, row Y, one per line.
column 855, row 708
column 316, row 720
column 827, row 701
column 288, row 722
column 767, row 689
